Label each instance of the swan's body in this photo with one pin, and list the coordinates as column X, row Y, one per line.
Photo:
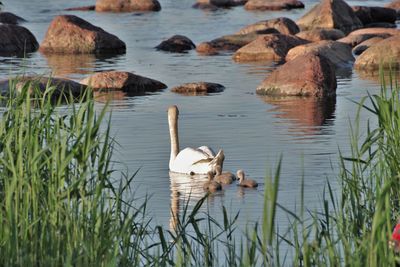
column 211, row 185
column 245, row 182
column 223, row 177
column 190, row 161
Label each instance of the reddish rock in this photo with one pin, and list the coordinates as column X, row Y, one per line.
column 330, row 14
column 306, row 75
column 367, row 14
column 215, row 4
column 81, row 8
column 268, row 47
column 316, row 35
column 73, row 35
column 226, row 43
column 124, row 81
column 176, row 43
column 384, row 54
column 366, row 44
column 282, row 25
column 10, row 18
column 395, row 4
column 359, row 36
column 273, row 4
column 16, row 40
column 198, row 88
column 127, row 5
column 338, row 53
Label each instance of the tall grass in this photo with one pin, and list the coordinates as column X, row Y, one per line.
column 62, row 203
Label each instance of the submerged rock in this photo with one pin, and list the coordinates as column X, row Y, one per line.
column 215, row 4
column 125, row 81
column 273, row 4
column 73, row 35
column 127, row 5
column 316, row 35
column 10, row 18
column 177, row 44
column 373, row 14
column 81, row 8
column 198, row 88
column 306, row 75
column 16, row 40
column 282, row 25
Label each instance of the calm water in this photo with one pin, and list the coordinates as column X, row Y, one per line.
column 253, row 131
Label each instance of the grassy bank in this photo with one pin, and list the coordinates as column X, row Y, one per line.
column 61, row 204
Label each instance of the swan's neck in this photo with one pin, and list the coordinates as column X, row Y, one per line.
column 173, row 133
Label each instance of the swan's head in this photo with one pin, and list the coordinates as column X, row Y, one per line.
column 240, row 175
column 218, row 170
column 173, row 112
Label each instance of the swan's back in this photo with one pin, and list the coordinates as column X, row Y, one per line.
column 191, row 160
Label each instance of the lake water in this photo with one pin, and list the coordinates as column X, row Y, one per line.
column 253, row 131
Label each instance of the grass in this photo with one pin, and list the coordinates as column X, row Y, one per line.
column 63, row 206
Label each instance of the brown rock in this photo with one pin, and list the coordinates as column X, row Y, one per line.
column 214, row 4
column 316, row 35
column 226, row 43
column 385, row 53
column 10, row 18
column 359, row 36
column 176, row 43
column 198, row 88
column 73, row 35
column 367, row 14
column 125, row 81
column 306, row 75
column 330, row 14
column 81, row 8
column 16, row 40
column 127, row 5
column 282, row 25
column 380, row 25
column 338, row 53
column 366, row 44
column 268, row 47
column 273, row 4
column 395, row 4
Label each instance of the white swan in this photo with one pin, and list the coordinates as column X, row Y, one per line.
column 190, row 161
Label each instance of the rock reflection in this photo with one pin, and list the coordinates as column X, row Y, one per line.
column 305, row 113
column 375, row 75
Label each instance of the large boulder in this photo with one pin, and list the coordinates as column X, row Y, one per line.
column 198, row 88
column 73, row 35
column 273, row 4
column 177, row 43
column 306, row 75
column 127, row 5
column 385, row 54
column 337, row 53
column 368, row 14
column 316, row 35
column 330, row 14
column 357, row 50
column 268, row 47
column 226, row 43
column 395, row 4
column 16, row 40
column 123, row 81
column 10, row 18
column 214, row 4
column 361, row 35
column 282, row 25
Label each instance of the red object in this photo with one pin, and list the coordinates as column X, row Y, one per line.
column 396, row 233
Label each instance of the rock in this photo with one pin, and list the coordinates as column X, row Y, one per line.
column 359, row 36
column 282, row 25
column 367, row 14
column 395, row 4
column 10, row 18
column 385, row 53
column 63, row 87
column 339, row 54
column 366, row 44
column 198, row 88
column 381, row 25
column 226, row 43
column 316, row 35
column 125, row 81
column 268, row 47
column 306, row 75
column 273, row 4
column 214, row 4
column 81, row 8
column 16, row 40
column 73, row 35
column 127, row 5
column 176, row 43
column 330, row 14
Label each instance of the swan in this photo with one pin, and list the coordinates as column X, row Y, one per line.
column 245, row 182
column 223, row 178
column 189, row 160
column 211, row 185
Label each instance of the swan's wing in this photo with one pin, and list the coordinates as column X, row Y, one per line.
column 190, row 156
column 207, row 150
